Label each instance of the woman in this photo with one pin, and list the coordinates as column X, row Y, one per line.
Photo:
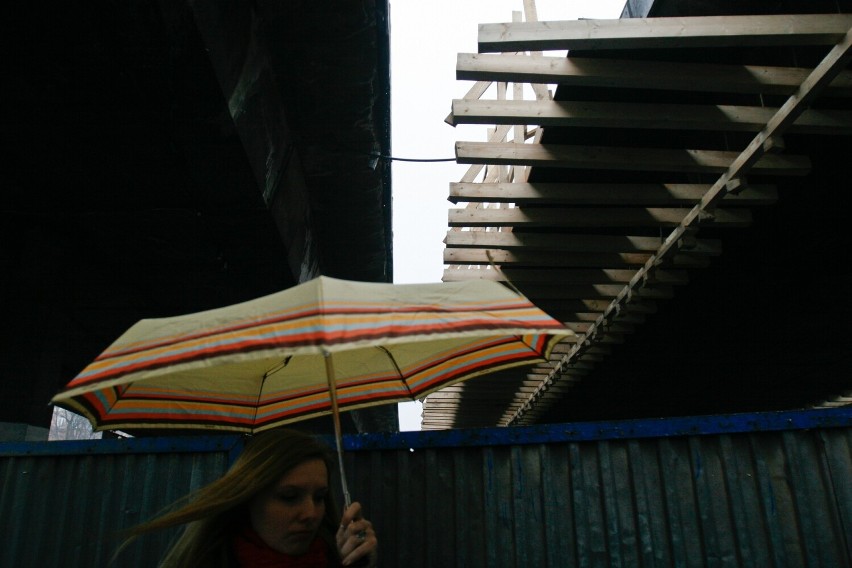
column 272, row 508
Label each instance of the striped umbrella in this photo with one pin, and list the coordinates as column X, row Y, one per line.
column 317, row 348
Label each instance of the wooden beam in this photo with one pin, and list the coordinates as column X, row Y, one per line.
column 647, row 194
column 836, row 60
column 583, row 327
column 599, row 350
column 498, row 135
column 748, row 160
column 590, row 317
column 833, row 63
column 578, row 367
column 565, row 260
column 475, row 92
column 542, row 373
column 456, row 393
column 488, row 400
column 666, row 33
column 481, row 403
column 627, row 74
column 622, row 158
column 605, row 217
column 537, row 292
column 586, row 114
column 593, row 305
column 458, row 390
column 526, row 242
column 500, row 388
column 568, row 276
column 535, row 258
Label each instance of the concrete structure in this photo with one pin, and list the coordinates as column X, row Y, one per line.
column 165, row 158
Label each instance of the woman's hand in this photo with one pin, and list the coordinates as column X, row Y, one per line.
column 356, row 538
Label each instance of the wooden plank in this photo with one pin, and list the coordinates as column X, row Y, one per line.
column 593, row 316
column 833, row 63
column 479, row 88
column 604, row 217
column 519, row 383
column 475, row 92
column 537, row 292
column 533, row 258
column 622, row 158
column 647, row 194
column 487, row 401
column 566, row 260
column 627, row 74
column 570, row 276
column 836, row 60
column 587, row 114
column 748, row 160
column 509, row 390
column 584, row 327
column 573, row 243
column 593, row 305
column 578, row 368
column 542, row 375
column 499, row 134
column 666, row 33
column 456, row 393
column 559, row 309
column 597, row 351
column 519, row 132
column 530, row 11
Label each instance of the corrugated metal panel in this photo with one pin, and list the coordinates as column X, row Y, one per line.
column 712, row 491
column 68, row 508
column 730, row 494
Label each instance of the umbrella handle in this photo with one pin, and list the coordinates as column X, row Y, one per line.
column 338, row 436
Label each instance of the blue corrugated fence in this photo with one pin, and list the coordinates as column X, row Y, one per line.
column 771, row 489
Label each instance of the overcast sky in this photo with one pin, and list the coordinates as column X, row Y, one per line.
column 426, row 36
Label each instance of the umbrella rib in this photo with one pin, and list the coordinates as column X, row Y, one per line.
column 395, row 366
column 274, row 369
column 278, row 367
column 257, row 402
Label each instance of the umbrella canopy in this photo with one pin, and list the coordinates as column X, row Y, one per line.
column 267, row 362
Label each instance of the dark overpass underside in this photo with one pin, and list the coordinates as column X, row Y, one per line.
column 169, row 157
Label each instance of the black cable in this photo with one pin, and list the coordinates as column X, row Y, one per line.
column 392, row 158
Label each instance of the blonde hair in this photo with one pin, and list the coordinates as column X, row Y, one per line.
column 214, row 513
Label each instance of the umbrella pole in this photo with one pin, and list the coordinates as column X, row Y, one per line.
column 338, row 436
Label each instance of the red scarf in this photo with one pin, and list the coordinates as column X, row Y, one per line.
column 252, row 552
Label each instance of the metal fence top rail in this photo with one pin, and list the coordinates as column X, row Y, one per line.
column 541, row 434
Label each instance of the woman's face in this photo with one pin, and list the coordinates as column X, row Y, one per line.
column 287, row 514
